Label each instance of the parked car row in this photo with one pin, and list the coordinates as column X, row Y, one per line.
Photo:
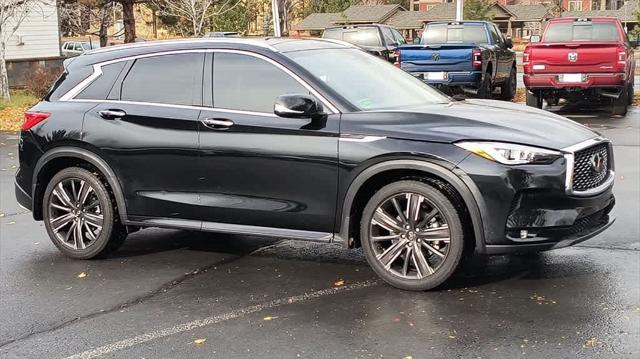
column 575, row 59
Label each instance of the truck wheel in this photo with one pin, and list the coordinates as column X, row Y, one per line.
column 486, row 89
column 508, row 88
column 534, row 100
column 621, row 103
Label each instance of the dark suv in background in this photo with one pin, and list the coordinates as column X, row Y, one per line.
column 379, row 40
column 272, row 138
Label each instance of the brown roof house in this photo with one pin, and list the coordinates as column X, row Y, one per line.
column 315, row 23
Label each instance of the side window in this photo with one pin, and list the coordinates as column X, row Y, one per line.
column 171, row 79
column 388, row 35
column 399, row 38
column 247, row 83
column 65, row 45
column 77, row 47
column 495, row 34
column 99, row 88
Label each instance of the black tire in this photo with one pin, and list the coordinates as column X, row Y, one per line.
column 486, row 87
column 620, row 104
column 111, row 234
column 534, row 100
column 455, row 249
column 508, row 88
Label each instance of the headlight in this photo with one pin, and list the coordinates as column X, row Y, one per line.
column 510, row 154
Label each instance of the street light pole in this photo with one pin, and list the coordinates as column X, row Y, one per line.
column 459, row 10
column 276, row 18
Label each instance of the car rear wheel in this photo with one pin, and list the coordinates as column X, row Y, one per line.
column 534, row 100
column 508, row 88
column 412, row 235
column 80, row 216
column 486, row 88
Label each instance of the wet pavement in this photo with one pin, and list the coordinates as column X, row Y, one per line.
column 251, row 297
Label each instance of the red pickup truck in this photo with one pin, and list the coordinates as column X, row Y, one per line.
column 578, row 59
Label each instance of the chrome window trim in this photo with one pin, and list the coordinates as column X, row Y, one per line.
column 188, row 107
column 569, row 155
column 97, row 72
column 187, row 41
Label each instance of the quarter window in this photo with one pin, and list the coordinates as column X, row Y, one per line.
column 99, row 89
column 247, row 83
column 170, row 79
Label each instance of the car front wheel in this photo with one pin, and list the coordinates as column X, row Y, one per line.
column 412, row 235
column 80, row 216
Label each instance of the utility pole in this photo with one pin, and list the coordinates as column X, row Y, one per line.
column 276, row 18
column 459, row 10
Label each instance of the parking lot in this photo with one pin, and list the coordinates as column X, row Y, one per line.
column 173, row 293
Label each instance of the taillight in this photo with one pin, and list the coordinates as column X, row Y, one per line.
column 476, row 58
column 397, row 63
column 622, row 58
column 33, row 118
column 526, row 60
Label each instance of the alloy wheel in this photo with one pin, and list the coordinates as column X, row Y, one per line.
column 410, row 236
column 75, row 213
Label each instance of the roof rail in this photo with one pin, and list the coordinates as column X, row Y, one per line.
column 182, row 41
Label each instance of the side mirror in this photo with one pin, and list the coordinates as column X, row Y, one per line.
column 509, row 43
column 296, row 106
column 534, row 38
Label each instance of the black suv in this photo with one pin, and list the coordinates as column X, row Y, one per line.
column 271, row 138
column 376, row 39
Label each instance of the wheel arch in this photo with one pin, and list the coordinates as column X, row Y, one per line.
column 427, row 169
column 56, row 154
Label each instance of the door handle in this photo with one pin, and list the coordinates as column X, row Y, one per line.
column 112, row 114
column 217, row 123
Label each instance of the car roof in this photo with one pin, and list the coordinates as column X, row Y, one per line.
column 457, row 22
column 264, row 45
column 347, row 26
column 586, row 18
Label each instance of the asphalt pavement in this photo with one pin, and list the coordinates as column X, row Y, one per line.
column 169, row 294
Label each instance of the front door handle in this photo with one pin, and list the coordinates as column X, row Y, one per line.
column 112, row 114
column 217, row 123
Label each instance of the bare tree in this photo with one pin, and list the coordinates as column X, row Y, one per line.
column 12, row 14
column 196, row 12
column 78, row 17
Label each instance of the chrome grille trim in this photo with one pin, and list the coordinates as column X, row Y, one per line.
column 570, row 159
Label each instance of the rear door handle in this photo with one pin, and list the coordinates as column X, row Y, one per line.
column 112, row 114
column 217, row 123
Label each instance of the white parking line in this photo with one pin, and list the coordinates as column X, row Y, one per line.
column 185, row 327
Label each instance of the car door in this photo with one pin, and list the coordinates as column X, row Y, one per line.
column 147, row 130
column 503, row 55
column 258, row 169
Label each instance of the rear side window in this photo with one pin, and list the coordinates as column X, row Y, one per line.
column 364, row 36
column 581, row 31
column 442, row 34
column 99, row 89
column 335, row 34
column 247, row 83
column 171, row 79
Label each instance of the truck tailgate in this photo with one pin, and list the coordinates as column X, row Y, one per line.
column 444, row 57
column 575, row 57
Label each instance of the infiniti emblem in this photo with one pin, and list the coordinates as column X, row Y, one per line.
column 436, row 56
column 573, row 56
column 597, row 163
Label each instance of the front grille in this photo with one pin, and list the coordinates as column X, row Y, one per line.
column 591, row 167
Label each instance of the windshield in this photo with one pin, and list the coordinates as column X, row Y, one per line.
column 366, row 81
column 363, row 36
column 580, row 31
column 442, row 34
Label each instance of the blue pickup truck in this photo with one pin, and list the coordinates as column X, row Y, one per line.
column 462, row 57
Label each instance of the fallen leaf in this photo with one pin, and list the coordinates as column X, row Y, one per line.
column 199, row 341
column 339, row 283
column 269, row 318
column 12, row 222
column 408, row 357
column 82, row 275
column 591, row 342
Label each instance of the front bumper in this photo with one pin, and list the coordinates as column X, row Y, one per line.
column 593, row 80
column 528, row 207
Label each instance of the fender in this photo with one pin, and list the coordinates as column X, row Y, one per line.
column 460, row 186
column 91, row 157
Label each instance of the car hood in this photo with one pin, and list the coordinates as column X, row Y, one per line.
column 485, row 120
